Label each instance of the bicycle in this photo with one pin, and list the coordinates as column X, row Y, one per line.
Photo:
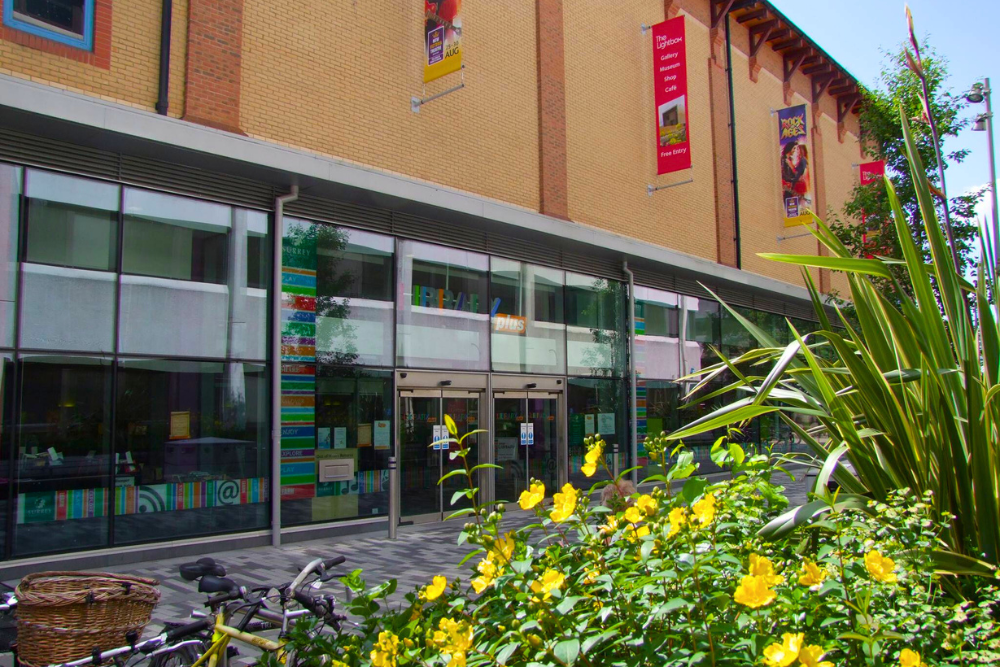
column 206, row 641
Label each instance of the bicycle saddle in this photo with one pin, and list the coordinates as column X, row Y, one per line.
column 203, row 567
column 213, row 584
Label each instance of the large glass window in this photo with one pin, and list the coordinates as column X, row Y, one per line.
column 657, row 334
column 61, row 495
column 443, row 319
column 353, row 443
column 595, row 318
column 10, row 197
column 596, row 407
column 191, row 451
column 187, row 261
column 354, row 280
column 657, row 403
column 527, row 323
column 7, row 439
column 68, row 297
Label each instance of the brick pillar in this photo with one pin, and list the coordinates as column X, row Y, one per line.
column 553, row 186
column 725, row 207
column 214, row 63
column 670, row 9
column 816, row 165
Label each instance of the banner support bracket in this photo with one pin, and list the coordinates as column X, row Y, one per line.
column 651, row 189
column 794, row 236
column 417, row 102
column 645, row 28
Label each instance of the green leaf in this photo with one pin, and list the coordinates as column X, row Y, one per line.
column 567, row 651
column 452, row 428
column 737, row 453
column 506, row 652
column 451, row 473
column 871, row 267
column 693, row 488
column 458, row 494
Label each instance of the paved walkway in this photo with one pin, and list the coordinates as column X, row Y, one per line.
column 418, row 553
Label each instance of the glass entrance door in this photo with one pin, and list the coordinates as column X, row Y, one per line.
column 422, row 463
column 513, row 411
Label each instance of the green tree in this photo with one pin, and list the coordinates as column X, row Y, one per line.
column 882, row 139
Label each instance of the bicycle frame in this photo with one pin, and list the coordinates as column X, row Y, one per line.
column 216, row 654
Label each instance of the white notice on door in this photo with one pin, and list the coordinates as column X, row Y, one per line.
column 606, row 423
column 588, row 424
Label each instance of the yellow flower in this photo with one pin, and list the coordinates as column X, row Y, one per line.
column 880, row 568
column 589, row 469
column 563, row 504
column 611, row 526
column 634, row 534
column 504, row 548
column 594, row 453
column 704, row 509
column 436, row 588
column 812, row 656
column 385, row 650
column 634, row 515
column 454, row 638
column 552, row 580
column 677, row 518
column 480, row 584
column 457, row 659
column 534, row 495
column 785, row 653
column 754, row 592
column 762, row 567
column 591, row 577
column 908, row 658
column 812, row 574
column 647, row 504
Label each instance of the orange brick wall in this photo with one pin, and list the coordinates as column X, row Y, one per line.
column 132, row 75
column 611, row 127
column 336, row 77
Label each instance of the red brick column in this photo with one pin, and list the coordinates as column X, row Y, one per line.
column 214, row 63
column 553, row 185
column 725, row 205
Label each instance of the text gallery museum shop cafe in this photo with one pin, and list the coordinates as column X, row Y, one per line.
column 139, row 330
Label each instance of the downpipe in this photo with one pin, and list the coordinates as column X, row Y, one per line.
column 278, row 237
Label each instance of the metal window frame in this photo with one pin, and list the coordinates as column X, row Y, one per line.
column 37, row 28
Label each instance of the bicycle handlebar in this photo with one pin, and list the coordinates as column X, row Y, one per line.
column 188, row 630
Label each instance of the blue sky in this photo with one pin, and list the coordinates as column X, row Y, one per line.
column 855, row 32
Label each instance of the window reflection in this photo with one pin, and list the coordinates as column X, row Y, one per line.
column 191, row 454
column 443, row 319
column 10, row 191
column 63, row 455
column 596, row 407
column 595, row 318
column 527, row 328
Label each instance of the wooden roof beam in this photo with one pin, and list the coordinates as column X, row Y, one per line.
column 820, row 84
column 791, row 43
column 759, row 34
column 779, row 33
column 752, row 15
column 844, row 105
column 821, row 67
column 719, row 9
column 792, row 61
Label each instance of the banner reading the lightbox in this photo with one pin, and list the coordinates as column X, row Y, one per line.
column 673, row 147
column 796, row 178
column 442, row 38
column 872, row 171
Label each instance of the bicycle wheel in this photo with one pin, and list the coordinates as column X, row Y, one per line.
column 184, row 656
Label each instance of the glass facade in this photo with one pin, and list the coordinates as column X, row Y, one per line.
column 136, row 372
column 135, row 332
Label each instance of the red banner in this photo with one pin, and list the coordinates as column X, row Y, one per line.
column 872, row 171
column 673, row 147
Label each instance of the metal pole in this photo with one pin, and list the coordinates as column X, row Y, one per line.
column 993, row 166
column 634, row 444
column 278, row 236
column 393, row 499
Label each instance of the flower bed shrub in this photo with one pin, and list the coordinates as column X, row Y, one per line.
column 661, row 578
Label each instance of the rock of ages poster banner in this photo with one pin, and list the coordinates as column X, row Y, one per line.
column 796, row 177
column 442, row 38
column 673, row 146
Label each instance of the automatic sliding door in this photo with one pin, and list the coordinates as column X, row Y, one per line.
column 543, row 414
column 508, row 414
column 463, row 407
column 420, row 465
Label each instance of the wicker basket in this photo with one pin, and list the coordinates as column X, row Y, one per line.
column 63, row 616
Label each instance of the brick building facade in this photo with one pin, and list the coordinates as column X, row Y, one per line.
column 179, row 124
